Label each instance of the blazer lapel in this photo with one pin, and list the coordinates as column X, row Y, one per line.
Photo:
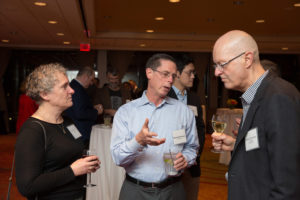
column 172, row 94
column 247, row 124
column 252, row 110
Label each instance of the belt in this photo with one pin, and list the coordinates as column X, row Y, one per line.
column 161, row 185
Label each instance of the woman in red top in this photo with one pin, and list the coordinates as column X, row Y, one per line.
column 26, row 107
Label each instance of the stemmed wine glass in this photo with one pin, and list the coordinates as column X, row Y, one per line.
column 86, row 153
column 219, row 125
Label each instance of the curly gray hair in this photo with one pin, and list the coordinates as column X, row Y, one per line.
column 43, row 79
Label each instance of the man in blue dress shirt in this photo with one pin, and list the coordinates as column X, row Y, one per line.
column 146, row 128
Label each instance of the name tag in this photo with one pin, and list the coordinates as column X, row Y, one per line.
column 179, row 136
column 74, row 131
column 194, row 109
column 251, row 140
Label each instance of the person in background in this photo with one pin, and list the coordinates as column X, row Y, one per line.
column 26, row 107
column 92, row 89
column 265, row 158
column 145, row 128
column 83, row 112
column 180, row 91
column 271, row 66
column 48, row 149
column 112, row 95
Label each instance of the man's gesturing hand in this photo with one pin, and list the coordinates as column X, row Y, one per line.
column 145, row 137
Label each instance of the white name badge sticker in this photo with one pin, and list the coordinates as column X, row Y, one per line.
column 74, row 131
column 251, row 140
column 194, row 109
column 179, row 136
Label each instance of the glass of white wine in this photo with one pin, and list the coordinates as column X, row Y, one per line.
column 219, row 125
column 86, row 153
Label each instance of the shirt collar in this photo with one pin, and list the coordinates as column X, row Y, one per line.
column 248, row 96
column 178, row 92
column 144, row 100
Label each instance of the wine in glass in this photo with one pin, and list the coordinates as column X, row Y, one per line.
column 219, row 125
column 86, row 153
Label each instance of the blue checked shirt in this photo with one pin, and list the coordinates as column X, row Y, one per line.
column 249, row 95
column 146, row 163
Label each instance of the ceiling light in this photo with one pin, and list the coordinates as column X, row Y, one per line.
column 260, row 21
column 39, row 3
column 149, row 31
column 60, row 34
column 142, row 45
column 66, row 42
column 52, row 22
column 174, row 1
column 159, row 18
column 297, row 4
column 5, row 41
column 284, row 48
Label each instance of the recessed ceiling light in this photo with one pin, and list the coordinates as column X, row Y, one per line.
column 5, row 41
column 52, row 22
column 297, row 4
column 284, row 48
column 66, row 42
column 39, row 3
column 260, row 21
column 142, row 45
column 159, row 18
column 60, row 34
column 149, row 31
column 174, row 1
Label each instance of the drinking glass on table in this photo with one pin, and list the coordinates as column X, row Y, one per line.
column 86, row 153
column 219, row 125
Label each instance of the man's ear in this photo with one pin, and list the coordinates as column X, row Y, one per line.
column 149, row 73
column 249, row 58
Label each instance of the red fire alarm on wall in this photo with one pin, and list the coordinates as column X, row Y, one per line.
column 85, row 47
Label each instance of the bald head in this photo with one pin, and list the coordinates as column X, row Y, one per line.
column 236, row 59
column 235, row 42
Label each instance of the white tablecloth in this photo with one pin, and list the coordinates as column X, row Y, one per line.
column 229, row 115
column 109, row 178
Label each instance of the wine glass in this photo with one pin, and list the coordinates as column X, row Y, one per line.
column 86, row 153
column 219, row 125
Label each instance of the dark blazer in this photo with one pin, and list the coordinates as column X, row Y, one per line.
column 82, row 112
column 273, row 170
column 194, row 100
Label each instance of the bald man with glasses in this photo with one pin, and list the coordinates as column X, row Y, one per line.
column 265, row 158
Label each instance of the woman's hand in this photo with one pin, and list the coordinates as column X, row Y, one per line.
column 85, row 165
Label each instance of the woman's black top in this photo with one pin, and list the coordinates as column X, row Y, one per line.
column 46, row 173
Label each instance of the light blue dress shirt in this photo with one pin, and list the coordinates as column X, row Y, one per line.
column 182, row 98
column 146, row 163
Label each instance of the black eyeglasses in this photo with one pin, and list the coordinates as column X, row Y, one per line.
column 221, row 66
column 166, row 75
column 189, row 73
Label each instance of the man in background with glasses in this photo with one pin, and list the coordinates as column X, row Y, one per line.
column 265, row 158
column 180, row 90
column 146, row 128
